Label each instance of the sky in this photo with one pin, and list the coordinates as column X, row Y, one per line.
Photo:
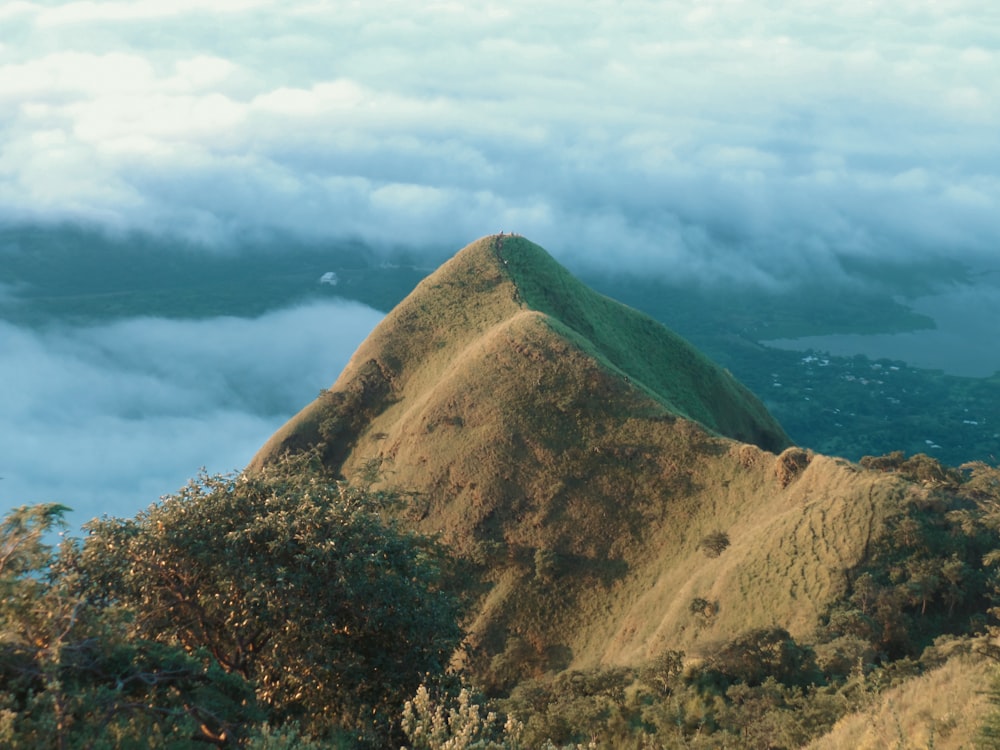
column 754, row 140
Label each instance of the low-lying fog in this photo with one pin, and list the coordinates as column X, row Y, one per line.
column 107, row 418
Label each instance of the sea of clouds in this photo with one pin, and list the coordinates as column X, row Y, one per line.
column 720, row 140
column 107, row 418
column 732, row 138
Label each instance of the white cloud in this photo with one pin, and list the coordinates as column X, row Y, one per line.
column 73, row 13
column 320, row 99
column 107, row 418
column 777, row 129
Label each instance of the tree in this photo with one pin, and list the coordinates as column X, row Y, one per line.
column 758, row 654
column 70, row 675
column 291, row 580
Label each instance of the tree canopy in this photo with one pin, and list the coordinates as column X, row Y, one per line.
column 285, row 592
column 73, row 674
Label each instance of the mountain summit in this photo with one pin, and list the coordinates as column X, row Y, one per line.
column 504, row 291
column 579, row 455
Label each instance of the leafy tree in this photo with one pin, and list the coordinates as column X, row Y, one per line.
column 575, row 707
column 662, row 672
column 70, row 675
column 763, row 653
column 292, row 581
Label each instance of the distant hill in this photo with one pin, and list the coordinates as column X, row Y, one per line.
column 617, row 492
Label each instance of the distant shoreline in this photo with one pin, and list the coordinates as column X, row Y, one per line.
column 962, row 343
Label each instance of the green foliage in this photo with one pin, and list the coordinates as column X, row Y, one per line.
column 574, row 707
column 290, row 580
column 290, row 737
column 281, row 596
column 926, row 576
column 989, row 732
column 663, row 704
column 662, row 672
column 762, row 654
column 72, row 676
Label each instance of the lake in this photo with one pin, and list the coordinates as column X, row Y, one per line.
column 965, row 342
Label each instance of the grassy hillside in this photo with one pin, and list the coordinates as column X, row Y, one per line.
column 941, row 709
column 579, row 455
column 657, row 359
column 487, row 283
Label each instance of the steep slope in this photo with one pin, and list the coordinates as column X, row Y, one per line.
column 578, row 453
column 486, row 284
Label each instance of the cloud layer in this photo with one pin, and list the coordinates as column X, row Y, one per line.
column 108, row 418
column 720, row 139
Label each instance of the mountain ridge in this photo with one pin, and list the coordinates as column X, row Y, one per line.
column 495, row 278
column 544, row 433
column 546, row 286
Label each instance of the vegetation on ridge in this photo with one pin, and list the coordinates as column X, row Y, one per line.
column 146, row 633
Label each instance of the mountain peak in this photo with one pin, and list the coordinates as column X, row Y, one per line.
column 485, row 285
column 559, row 441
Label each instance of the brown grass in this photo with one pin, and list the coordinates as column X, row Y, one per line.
column 942, row 709
column 521, row 431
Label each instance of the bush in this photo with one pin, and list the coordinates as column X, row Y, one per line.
column 765, row 653
column 790, row 464
column 291, row 581
column 72, row 674
column 458, row 724
column 715, row 543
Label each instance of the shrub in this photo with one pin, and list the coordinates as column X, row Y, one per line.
column 761, row 653
column 293, row 582
column 714, row 543
column 790, row 464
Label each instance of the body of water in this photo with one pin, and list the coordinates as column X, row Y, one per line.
column 965, row 341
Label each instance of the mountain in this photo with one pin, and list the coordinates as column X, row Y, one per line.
column 506, row 285
column 617, row 493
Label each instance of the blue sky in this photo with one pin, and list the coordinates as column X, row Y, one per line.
column 756, row 141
